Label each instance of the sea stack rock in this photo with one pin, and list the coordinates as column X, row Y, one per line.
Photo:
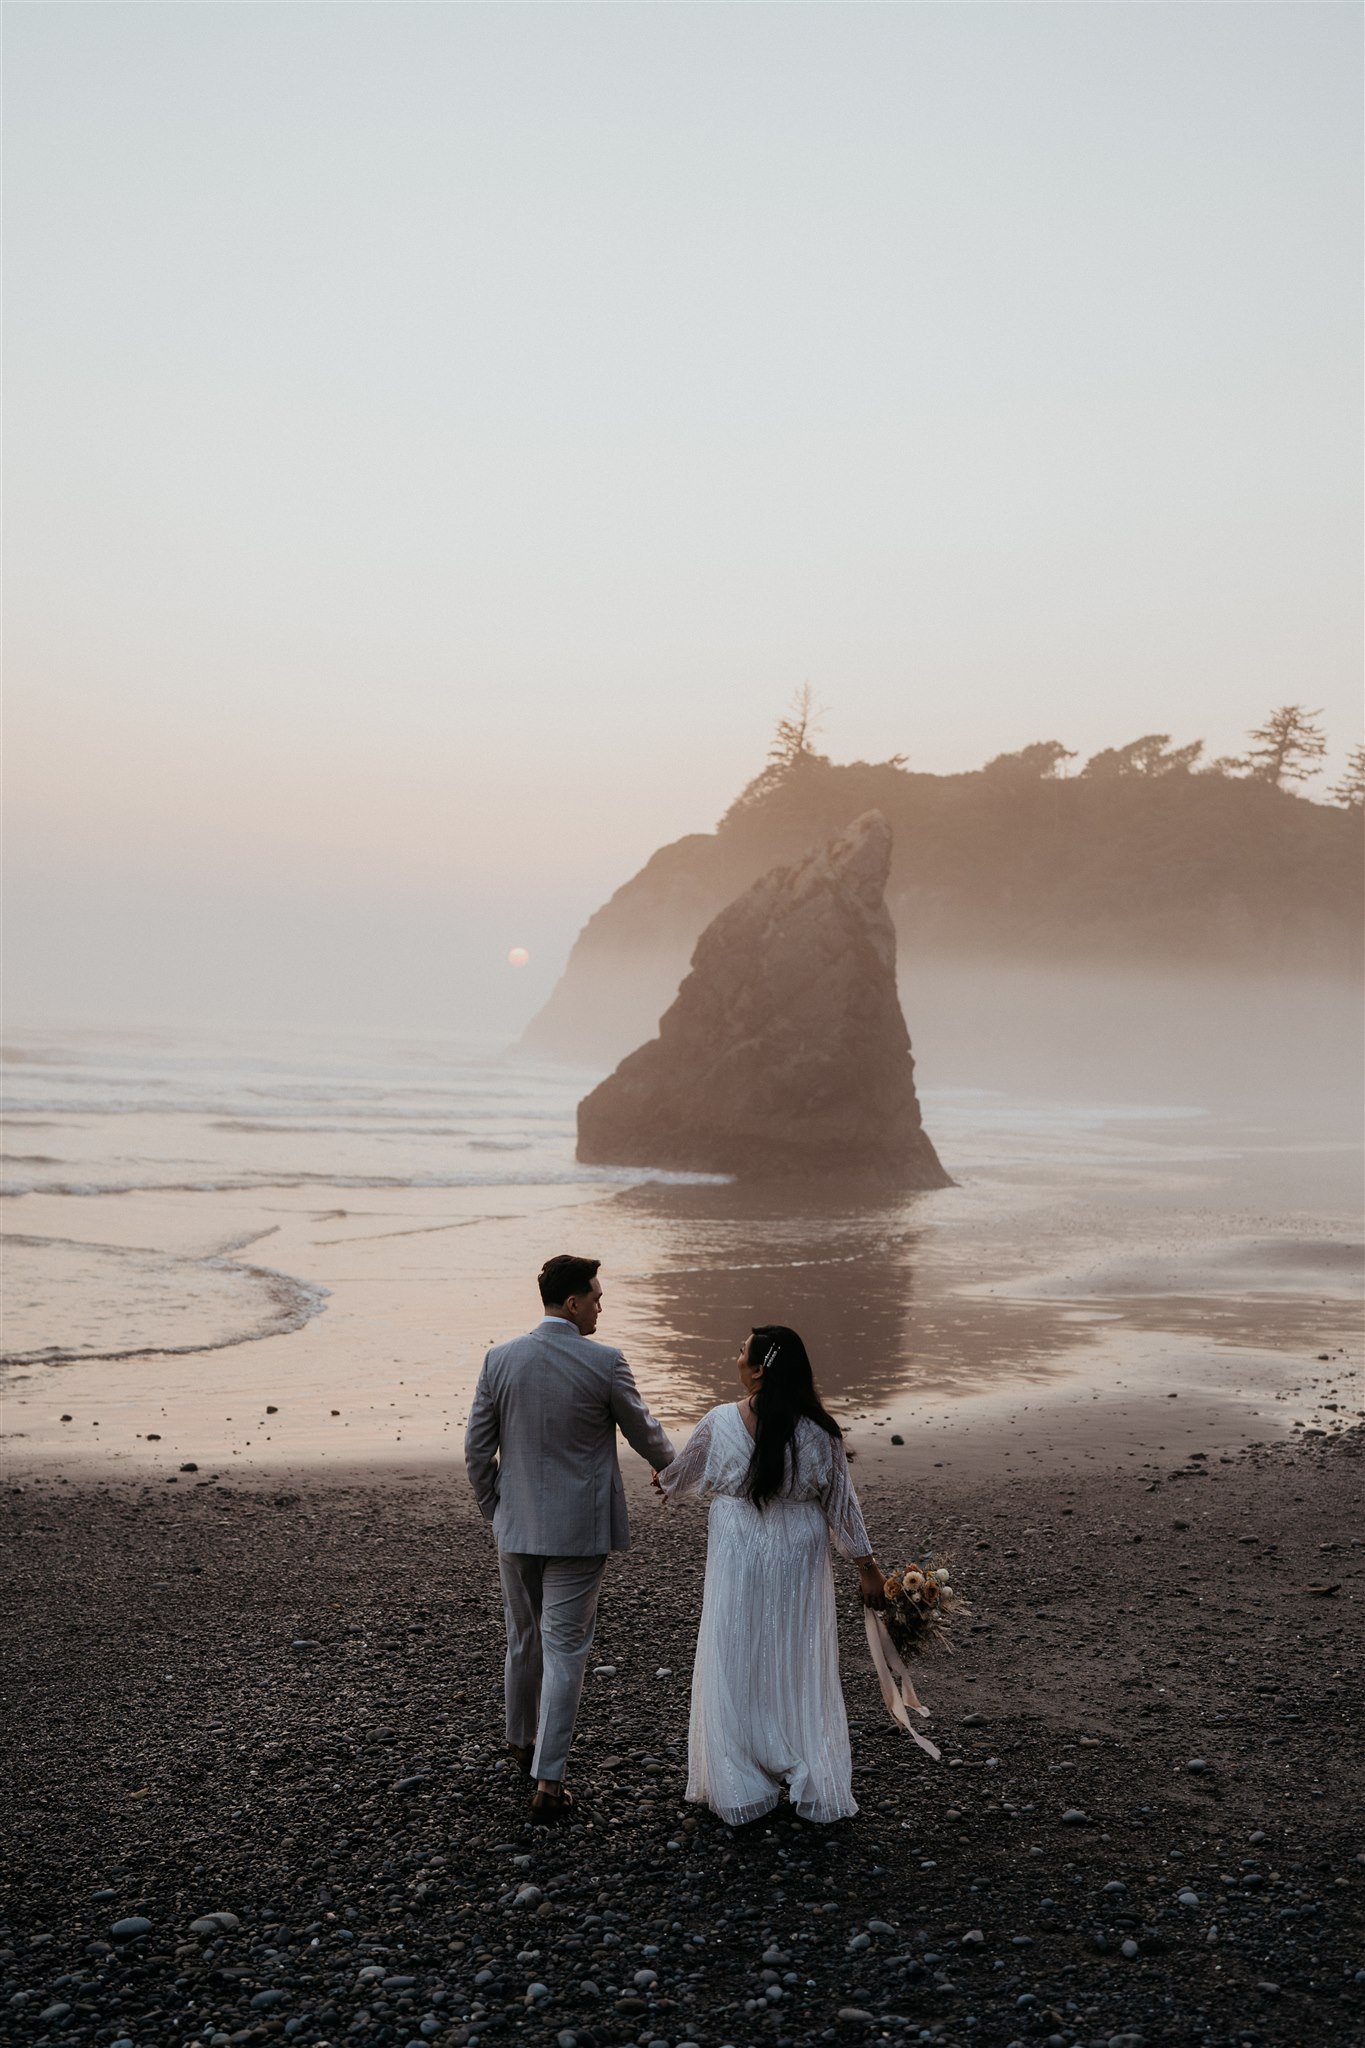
column 785, row 1050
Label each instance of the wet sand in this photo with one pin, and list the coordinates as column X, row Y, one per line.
column 1046, row 1308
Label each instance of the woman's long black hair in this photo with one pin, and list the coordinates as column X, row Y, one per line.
column 784, row 1394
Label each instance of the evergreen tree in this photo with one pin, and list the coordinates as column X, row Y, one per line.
column 1350, row 791
column 791, row 751
column 792, row 739
column 1043, row 758
column 1153, row 754
column 1290, row 746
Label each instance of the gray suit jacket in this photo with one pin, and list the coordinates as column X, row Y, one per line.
column 540, row 1446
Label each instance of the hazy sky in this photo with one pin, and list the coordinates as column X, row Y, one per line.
column 441, row 437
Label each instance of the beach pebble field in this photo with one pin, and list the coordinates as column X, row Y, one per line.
column 258, row 1789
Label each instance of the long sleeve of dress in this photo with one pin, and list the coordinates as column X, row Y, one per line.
column 687, row 1473
column 840, row 1504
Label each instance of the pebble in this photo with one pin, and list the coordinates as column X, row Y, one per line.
column 604, row 1671
column 1073, row 1817
column 215, row 1923
column 1198, row 1766
column 1187, row 1898
column 131, row 1928
column 434, row 1894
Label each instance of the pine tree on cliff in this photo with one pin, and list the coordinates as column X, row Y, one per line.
column 1290, row 746
column 1350, row 791
column 791, row 752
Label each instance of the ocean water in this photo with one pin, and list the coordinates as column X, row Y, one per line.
column 156, row 1118
column 87, row 1115
column 361, row 1213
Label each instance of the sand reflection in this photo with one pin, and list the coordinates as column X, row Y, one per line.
column 858, row 1274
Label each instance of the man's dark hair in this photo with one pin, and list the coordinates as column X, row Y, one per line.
column 566, row 1275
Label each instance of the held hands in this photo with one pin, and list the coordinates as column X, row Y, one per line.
column 872, row 1583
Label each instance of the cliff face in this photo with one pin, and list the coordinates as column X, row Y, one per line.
column 785, row 1051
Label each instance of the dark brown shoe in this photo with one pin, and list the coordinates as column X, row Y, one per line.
column 550, row 1804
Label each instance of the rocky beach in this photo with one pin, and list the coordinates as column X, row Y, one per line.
column 258, row 1788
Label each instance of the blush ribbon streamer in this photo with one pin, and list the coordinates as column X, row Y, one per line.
column 898, row 1690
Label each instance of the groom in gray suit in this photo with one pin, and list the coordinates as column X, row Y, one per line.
column 540, row 1451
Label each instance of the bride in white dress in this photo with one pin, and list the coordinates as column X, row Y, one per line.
column 767, row 1706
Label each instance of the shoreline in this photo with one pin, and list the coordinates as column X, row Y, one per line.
column 1127, row 1394
column 1092, row 1260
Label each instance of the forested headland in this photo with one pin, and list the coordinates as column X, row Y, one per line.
column 1139, row 855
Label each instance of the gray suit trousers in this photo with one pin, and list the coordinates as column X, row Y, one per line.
column 550, row 1607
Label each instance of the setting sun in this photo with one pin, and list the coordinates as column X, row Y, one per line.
column 518, row 957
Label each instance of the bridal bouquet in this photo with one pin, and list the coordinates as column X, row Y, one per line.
column 921, row 1606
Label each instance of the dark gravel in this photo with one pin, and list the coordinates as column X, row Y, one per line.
column 257, row 1787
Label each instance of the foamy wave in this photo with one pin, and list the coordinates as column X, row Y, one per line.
column 146, row 1304
column 563, row 1176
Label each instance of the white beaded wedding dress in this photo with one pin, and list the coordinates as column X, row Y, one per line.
column 767, row 1705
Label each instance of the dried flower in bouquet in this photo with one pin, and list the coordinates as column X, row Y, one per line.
column 922, row 1606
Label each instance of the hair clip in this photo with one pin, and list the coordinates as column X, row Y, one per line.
column 772, row 1353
